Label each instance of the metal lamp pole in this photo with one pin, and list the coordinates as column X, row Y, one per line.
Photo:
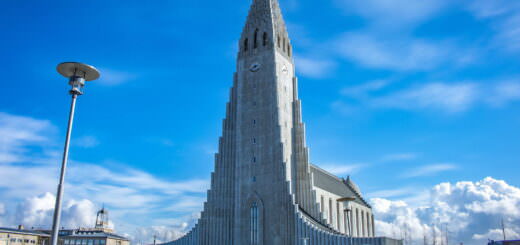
column 77, row 73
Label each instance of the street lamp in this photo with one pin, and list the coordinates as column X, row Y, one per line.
column 77, row 73
column 347, row 204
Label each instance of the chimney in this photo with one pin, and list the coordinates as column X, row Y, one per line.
column 20, row 227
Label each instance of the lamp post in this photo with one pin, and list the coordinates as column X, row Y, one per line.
column 77, row 73
column 347, row 204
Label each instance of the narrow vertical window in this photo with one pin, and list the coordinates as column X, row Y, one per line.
column 246, row 42
column 254, row 224
column 283, row 44
column 255, row 43
column 338, row 218
column 278, row 40
column 289, row 50
column 264, row 42
column 331, row 209
column 322, row 204
column 363, row 224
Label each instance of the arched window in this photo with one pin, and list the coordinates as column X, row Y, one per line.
column 254, row 224
column 246, row 43
column 265, row 39
column 255, row 44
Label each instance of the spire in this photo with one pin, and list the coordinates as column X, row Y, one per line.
column 265, row 25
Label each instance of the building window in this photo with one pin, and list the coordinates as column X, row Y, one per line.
column 254, row 140
column 254, row 159
column 90, row 242
column 338, row 218
column 264, row 39
column 284, row 44
column 278, row 40
column 255, row 43
column 289, row 50
column 322, row 204
column 363, row 224
column 246, row 43
column 254, row 224
column 331, row 222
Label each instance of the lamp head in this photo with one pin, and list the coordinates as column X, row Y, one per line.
column 77, row 73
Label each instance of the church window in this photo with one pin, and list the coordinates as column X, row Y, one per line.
column 264, row 39
column 254, row 224
column 322, row 204
column 255, row 44
column 330, row 211
column 363, row 224
column 246, row 42
column 338, row 215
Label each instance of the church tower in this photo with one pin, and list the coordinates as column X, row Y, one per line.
column 263, row 190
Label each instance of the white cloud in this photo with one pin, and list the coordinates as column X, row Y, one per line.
column 390, row 13
column 86, row 141
column 343, row 169
column 38, row 212
column 399, row 157
column 444, row 97
column 314, row 67
column 441, row 96
column 472, row 210
column 133, row 196
column 429, row 170
column 18, row 134
column 401, row 53
column 111, row 77
column 363, row 90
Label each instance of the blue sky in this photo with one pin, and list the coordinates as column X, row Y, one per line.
column 403, row 95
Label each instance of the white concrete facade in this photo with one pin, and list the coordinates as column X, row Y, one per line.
column 264, row 191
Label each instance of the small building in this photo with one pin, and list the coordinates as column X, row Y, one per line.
column 101, row 234
column 94, row 236
column 20, row 236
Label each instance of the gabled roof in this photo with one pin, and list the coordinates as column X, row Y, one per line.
column 329, row 182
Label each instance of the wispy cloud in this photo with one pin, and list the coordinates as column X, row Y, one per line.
column 445, row 97
column 401, row 53
column 18, row 134
column 125, row 190
column 399, row 157
column 388, row 13
column 314, row 68
column 87, row 141
column 110, row 77
column 343, row 169
column 429, row 170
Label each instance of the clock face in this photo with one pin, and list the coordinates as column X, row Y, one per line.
column 254, row 67
column 285, row 70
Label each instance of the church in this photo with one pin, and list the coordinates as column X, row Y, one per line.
column 264, row 190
